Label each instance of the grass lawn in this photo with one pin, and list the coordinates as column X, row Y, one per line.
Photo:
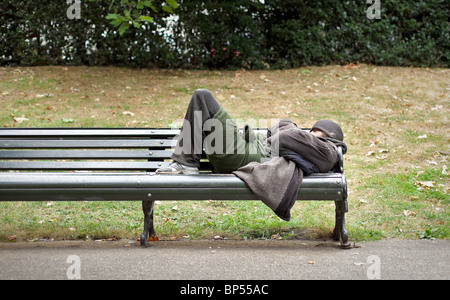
column 395, row 122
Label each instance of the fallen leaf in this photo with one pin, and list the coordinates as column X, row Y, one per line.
column 437, row 107
column 373, row 144
column 275, row 236
column 370, row 153
column 153, row 238
column 426, row 183
column 263, row 77
column 419, row 172
column 64, row 120
column 432, row 162
column 20, row 119
column 354, row 66
column 129, row 113
column 409, row 213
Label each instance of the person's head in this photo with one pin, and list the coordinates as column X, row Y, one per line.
column 328, row 128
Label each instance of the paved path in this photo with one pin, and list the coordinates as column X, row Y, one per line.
column 210, row 259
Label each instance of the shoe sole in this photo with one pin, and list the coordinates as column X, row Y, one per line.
column 170, row 172
column 189, row 172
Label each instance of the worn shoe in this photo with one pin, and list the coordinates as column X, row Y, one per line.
column 177, row 168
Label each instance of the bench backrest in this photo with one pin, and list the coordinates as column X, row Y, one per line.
column 91, row 149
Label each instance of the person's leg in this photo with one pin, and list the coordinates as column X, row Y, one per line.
column 202, row 107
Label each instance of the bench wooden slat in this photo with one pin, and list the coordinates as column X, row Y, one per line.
column 83, row 132
column 21, row 180
column 89, row 166
column 131, row 186
column 83, row 144
column 77, row 165
column 129, row 194
column 87, row 154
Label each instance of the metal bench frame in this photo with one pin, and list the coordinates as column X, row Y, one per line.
column 118, row 164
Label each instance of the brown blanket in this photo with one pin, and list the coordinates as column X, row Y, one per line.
column 276, row 182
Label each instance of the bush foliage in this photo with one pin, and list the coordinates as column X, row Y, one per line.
column 229, row 34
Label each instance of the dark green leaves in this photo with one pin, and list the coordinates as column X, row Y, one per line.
column 231, row 34
column 135, row 13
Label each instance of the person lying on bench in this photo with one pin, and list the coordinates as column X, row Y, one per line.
column 318, row 146
column 272, row 165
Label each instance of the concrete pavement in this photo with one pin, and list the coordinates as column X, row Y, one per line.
column 225, row 260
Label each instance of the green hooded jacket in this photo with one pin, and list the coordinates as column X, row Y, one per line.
column 238, row 149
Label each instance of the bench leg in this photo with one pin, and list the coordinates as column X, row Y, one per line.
column 149, row 230
column 340, row 232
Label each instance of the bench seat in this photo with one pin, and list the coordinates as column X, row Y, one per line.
column 83, row 186
column 118, row 164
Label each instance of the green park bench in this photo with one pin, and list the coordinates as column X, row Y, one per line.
column 118, row 164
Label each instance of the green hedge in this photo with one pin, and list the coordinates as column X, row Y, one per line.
column 230, row 34
column 38, row 32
